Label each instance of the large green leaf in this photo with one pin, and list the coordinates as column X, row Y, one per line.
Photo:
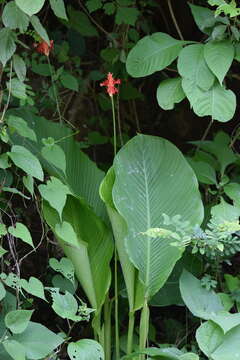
column 169, row 93
column 91, row 253
column 38, row 341
column 217, row 102
column 152, row 53
column 209, row 336
column 30, row 7
column 219, row 57
column 192, row 65
column 200, row 301
column 119, row 226
column 152, row 179
column 204, row 17
column 82, row 175
column 14, row 18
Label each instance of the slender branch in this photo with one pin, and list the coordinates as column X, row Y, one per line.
column 174, row 20
column 205, row 134
column 9, row 94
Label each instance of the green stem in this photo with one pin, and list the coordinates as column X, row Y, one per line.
column 54, row 91
column 144, row 327
column 107, row 329
column 117, row 345
column 131, row 320
column 114, row 127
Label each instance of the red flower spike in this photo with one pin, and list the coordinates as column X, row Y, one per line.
column 43, row 47
column 110, row 83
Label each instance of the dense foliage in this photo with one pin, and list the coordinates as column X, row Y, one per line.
column 115, row 244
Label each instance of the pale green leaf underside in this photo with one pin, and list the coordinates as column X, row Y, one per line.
column 192, row 65
column 219, row 57
column 169, row 93
column 152, row 178
column 152, row 53
column 217, row 102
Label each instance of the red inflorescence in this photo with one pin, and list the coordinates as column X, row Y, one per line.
column 110, row 83
column 43, row 47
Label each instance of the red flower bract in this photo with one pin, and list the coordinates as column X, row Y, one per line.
column 110, row 83
column 43, row 47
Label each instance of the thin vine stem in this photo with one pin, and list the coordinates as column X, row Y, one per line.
column 55, row 91
column 114, row 126
column 174, row 19
column 205, row 134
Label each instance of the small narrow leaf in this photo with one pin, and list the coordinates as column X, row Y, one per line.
column 39, row 28
column 21, row 231
column 19, row 67
column 7, row 45
column 28, row 183
column 58, row 8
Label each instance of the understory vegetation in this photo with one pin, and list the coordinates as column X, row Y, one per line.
column 120, row 180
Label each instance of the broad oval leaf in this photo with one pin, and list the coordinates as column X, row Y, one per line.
column 38, row 341
column 204, row 17
column 217, row 102
column 229, row 348
column 152, row 53
column 30, row 7
column 219, row 57
column 201, row 302
column 209, row 336
column 85, row 349
column 152, row 179
column 17, row 320
column 26, row 161
column 14, row 18
column 192, row 65
column 169, row 93
column 14, row 349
